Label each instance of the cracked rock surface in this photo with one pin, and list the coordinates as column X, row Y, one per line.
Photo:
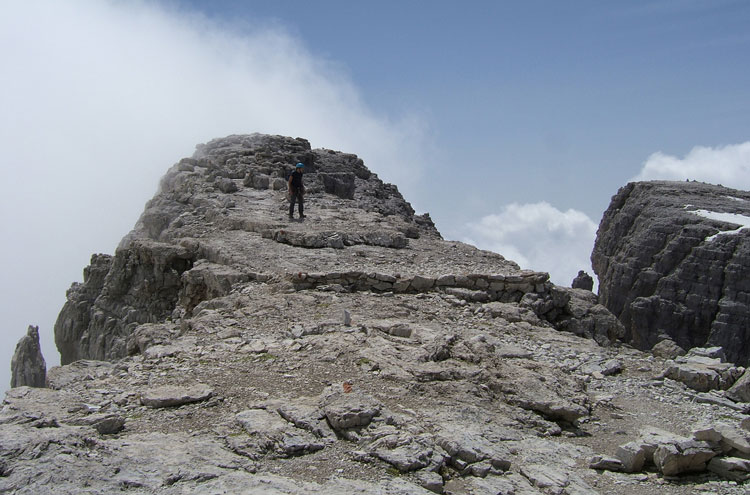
column 211, row 354
column 672, row 260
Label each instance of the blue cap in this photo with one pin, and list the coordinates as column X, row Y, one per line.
column 300, row 165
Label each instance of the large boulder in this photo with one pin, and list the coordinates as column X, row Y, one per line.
column 673, row 262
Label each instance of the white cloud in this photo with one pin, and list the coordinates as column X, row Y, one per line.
column 727, row 165
column 540, row 237
column 100, row 97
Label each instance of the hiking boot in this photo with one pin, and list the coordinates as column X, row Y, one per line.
column 302, row 216
column 291, row 217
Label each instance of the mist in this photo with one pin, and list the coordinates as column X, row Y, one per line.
column 538, row 236
column 100, row 98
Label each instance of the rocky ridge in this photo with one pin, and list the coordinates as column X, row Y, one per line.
column 225, row 349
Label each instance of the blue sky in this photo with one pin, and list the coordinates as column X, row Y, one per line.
column 511, row 123
column 566, row 93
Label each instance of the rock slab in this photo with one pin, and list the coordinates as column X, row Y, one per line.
column 173, row 396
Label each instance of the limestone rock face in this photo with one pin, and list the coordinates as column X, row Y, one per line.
column 673, row 262
column 226, row 349
column 28, row 366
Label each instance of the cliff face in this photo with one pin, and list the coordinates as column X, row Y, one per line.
column 672, row 265
column 226, row 349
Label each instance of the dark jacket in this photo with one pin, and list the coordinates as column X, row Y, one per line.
column 295, row 182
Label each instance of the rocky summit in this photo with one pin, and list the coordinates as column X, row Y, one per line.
column 224, row 348
column 673, row 260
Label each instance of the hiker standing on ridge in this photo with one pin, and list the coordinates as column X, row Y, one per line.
column 296, row 191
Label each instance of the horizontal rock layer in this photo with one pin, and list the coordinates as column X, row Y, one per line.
column 672, row 264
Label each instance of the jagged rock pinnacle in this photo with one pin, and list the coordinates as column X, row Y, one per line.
column 28, row 366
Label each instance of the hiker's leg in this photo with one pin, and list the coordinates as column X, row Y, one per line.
column 291, row 205
column 301, row 205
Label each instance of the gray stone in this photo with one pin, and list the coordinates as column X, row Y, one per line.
column 513, row 352
column 555, row 408
column 150, row 334
column 261, row 181
column 431, row 481
column 730, row 468
column 577, row 311
column 467, row 447
column 632, row 456
column 440, row 348
column 606, row 463
column 682, row 457
column 697, row 377
column 704, row 370
column 611, row 367
column 480, row 469
column 349, row 410
column 553, row 480
column 707, row 434
column 392, row 327
column 667, row 349
column 733, row 438
column 105, row 424
column 146, row 276
column 510, row 312
column 61, row 377
column 420, row 283
column 341, row 185
column 174, row 396
column 268, row 433
column 718, row 399
column 714, row 352
column 27, row 366
column 406, row 458
column 740, row 390
column 650, row 438
column 227, row 186
column 306, row 416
